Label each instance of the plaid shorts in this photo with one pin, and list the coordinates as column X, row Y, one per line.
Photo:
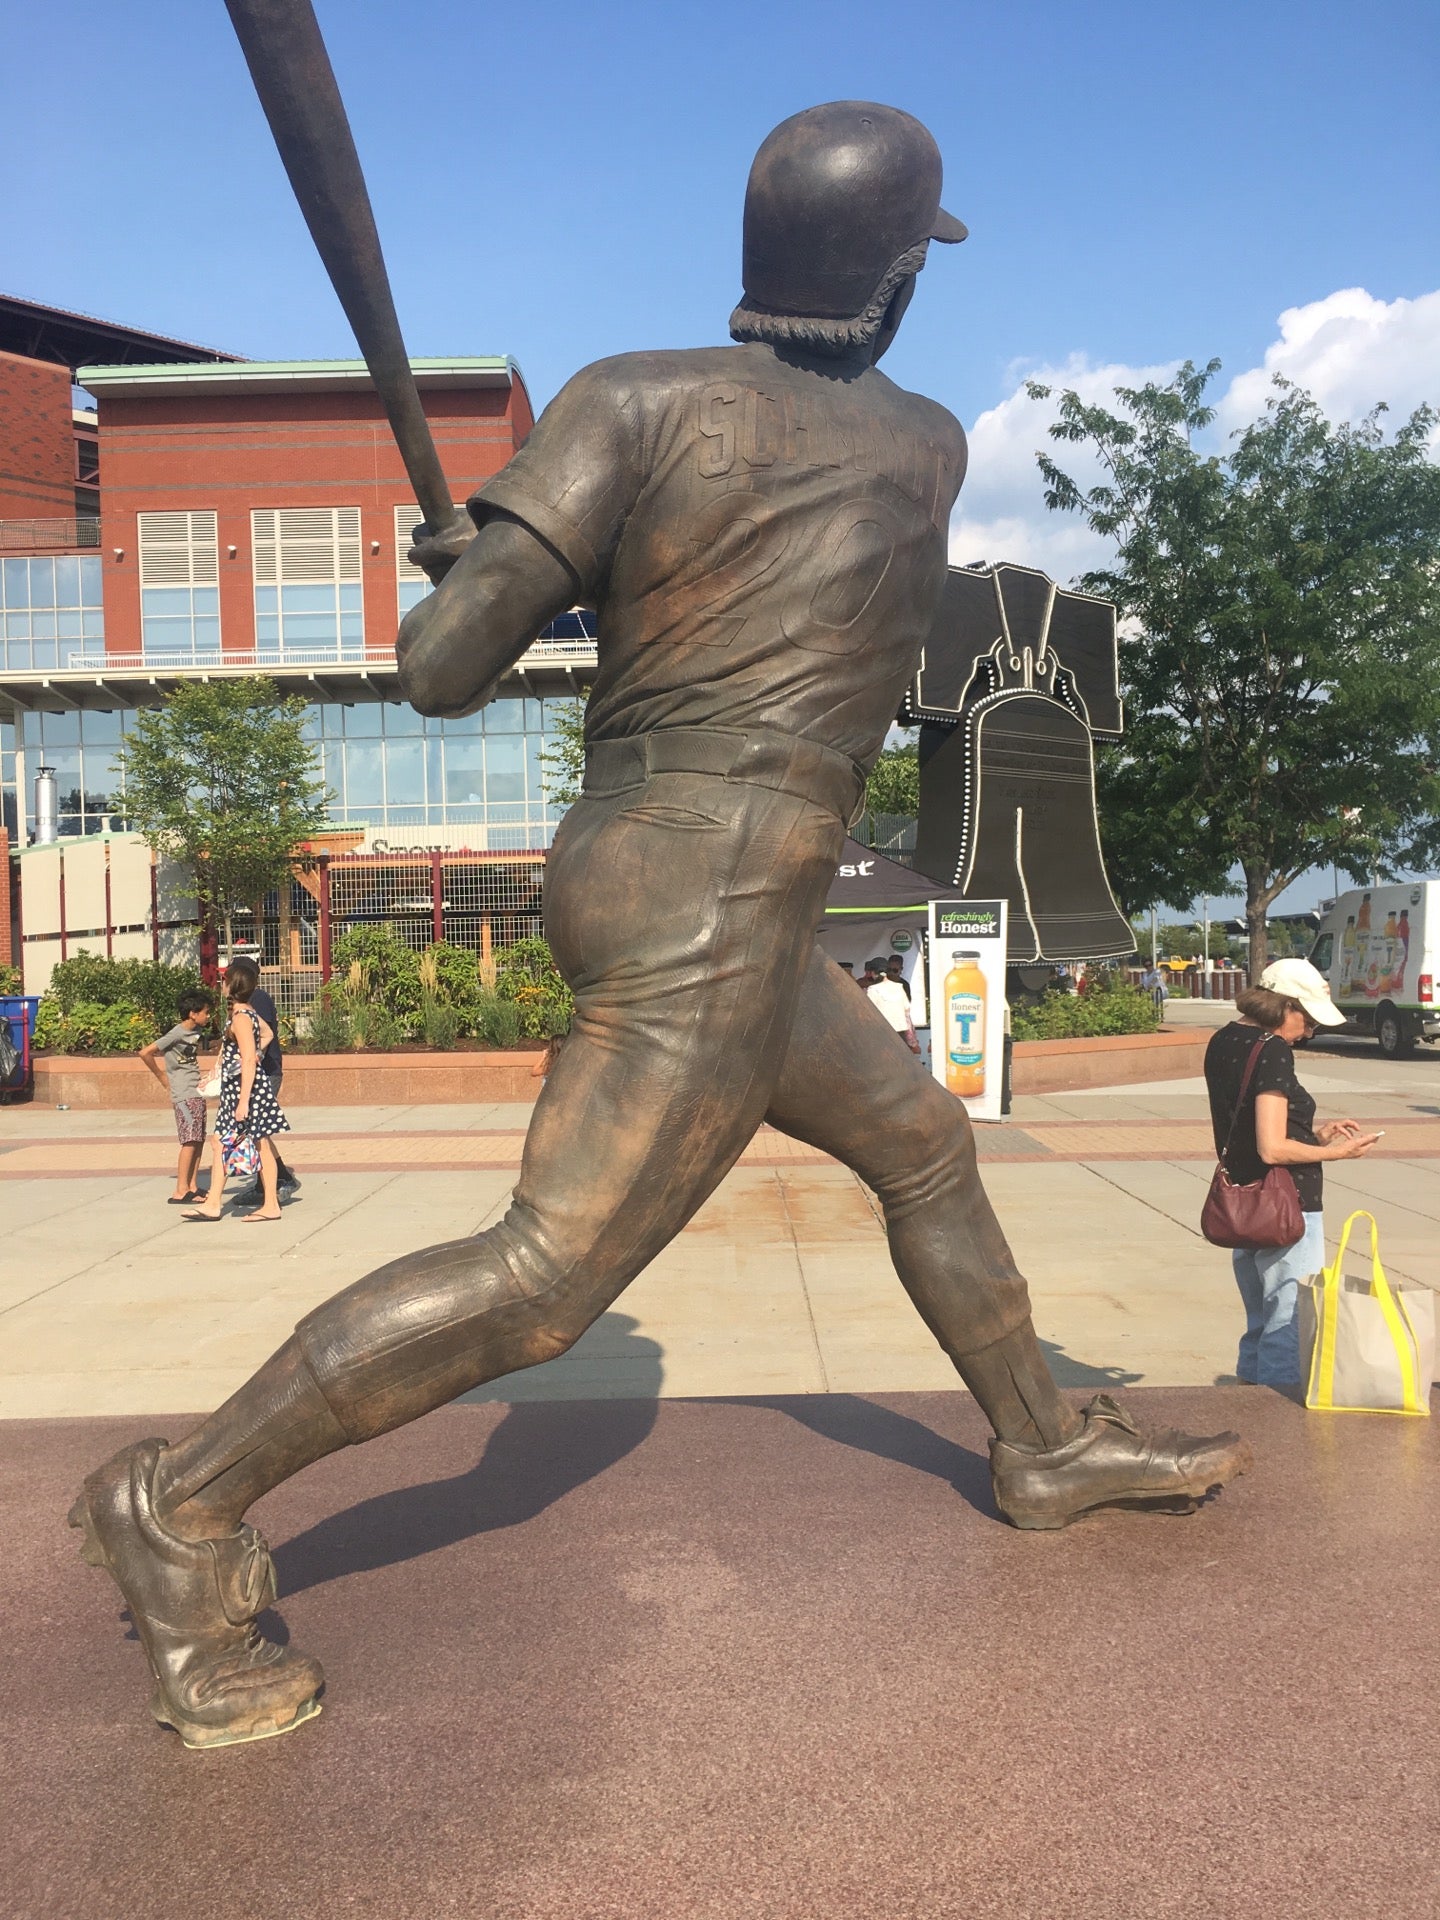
column 190, row 1121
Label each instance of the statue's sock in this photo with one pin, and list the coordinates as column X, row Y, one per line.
column 277, row 1423
column 1017, row 1391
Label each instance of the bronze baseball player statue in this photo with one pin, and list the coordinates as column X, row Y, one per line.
column 762, row 528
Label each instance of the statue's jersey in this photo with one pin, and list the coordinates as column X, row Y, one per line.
column 764, row 540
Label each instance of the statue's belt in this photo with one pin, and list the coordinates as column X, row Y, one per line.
column 780, row 761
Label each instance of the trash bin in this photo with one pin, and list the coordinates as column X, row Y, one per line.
column 18, row 1011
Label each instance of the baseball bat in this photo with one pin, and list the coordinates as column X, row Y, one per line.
column 286, row 56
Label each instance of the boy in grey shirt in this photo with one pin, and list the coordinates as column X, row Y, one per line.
column 179, row 1049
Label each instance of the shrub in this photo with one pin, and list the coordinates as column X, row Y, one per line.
column 498, row 1021
column 151, row 985
column 439, row 1023
column 10, row 981
column 1110, row 1005
column 526, row 975
column 48, row 1022
column 450, row 975
column 388, row 969
column 90, row 1026
column 327, row 1025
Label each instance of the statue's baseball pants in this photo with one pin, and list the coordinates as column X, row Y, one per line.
column 682, row 907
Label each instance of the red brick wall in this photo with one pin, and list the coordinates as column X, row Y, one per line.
column 37, row 440
column 232, row 453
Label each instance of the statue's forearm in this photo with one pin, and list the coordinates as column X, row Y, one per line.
column 459, row 642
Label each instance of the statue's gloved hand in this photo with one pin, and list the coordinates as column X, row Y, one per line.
column 436, row 552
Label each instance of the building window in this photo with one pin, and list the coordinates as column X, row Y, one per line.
column 49, row 611
column 9, row 782
column 308, row 601
column 412, row 584
column 179, row 586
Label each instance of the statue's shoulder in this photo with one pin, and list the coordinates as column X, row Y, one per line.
column 654, row 374
column 935, row 420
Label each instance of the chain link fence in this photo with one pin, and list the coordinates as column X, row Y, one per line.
column 480, row 901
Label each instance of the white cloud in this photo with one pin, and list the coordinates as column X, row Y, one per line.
column 1002, row 513
column 1349, row 350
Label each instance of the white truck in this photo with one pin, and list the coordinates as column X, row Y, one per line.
column 1379, row 947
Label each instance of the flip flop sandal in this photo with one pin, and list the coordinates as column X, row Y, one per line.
column 185, row 1200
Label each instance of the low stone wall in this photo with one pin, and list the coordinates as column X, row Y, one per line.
column 1113, row 1060
column 421, row 1079
column 311, row 1079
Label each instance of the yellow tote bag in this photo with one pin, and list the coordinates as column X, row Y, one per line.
column 1366, row 1349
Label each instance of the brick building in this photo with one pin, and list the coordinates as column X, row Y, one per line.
column 252, row 517
column 38, row 454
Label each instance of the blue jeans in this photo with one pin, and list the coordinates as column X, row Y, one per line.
column 1268, row 1279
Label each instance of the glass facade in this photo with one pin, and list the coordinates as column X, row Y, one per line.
column 49, row 610
column 385, row 764
column 388, row 766
column 81, row 747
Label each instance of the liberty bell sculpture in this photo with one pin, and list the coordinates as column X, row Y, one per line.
column 1017, row 678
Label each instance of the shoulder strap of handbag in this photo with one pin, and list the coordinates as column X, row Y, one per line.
column 1250, row 1066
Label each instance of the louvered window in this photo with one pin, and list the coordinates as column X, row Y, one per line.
column 413, row 585
column 179, row 585
column 308, row 599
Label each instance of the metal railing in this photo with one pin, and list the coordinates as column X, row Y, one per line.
column 562, row 653
column 35, row 536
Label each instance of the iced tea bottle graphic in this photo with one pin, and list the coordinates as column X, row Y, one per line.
column 965, row 1026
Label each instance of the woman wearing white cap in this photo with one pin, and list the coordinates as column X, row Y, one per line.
column 1273, row 1126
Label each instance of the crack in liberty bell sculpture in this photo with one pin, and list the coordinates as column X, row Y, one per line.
column 1017, row 680
column 761, row 528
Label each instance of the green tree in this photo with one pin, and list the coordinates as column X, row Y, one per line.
column 562, row 757
column 1282, row 665
column 894, row 784
column 223, row 779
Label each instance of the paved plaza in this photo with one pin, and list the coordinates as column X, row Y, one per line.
column 714, row 1615
column 775, row 1657
column 110, row 1303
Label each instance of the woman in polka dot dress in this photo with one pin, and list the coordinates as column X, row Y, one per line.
column 248, row 1106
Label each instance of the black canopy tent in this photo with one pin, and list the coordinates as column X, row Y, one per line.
column 876, row 906
column 868, row 887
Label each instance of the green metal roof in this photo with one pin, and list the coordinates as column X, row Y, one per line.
column 278, row 376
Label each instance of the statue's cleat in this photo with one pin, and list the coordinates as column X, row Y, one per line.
column 218, row 1681
column 1109, row 1463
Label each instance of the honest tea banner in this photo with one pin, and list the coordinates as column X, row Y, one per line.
column 967, row 987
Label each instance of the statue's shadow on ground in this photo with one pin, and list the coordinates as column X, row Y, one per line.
column 533, row 1458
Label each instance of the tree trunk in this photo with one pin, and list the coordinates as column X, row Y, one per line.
column 1257, row 900
column 209, row 941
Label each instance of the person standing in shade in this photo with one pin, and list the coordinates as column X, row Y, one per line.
column 1273, row 1126
column 892, row 997
column 895, row 970
column 180, row 1049
column 272, row 1064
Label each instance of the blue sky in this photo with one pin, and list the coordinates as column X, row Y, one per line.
column 1142, row 183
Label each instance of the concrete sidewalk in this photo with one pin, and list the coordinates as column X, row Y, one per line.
column 109, row 1303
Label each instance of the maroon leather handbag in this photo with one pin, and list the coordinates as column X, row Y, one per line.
column 1263, row 1213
